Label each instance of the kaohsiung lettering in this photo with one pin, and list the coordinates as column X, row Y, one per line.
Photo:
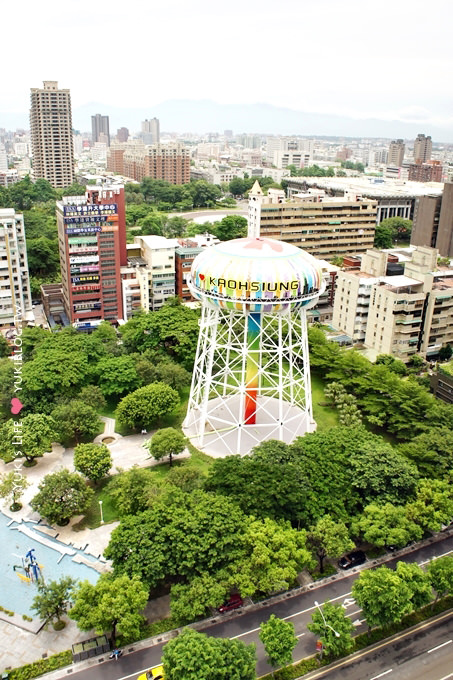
column 254, row 286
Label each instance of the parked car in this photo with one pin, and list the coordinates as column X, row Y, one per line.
column 234, row 602
column 352, row 559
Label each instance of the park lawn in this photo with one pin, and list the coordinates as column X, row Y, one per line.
column 325, row 416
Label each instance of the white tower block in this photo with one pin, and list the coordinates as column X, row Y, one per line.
column 256, row 198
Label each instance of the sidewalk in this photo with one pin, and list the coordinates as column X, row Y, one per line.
column 18, row 646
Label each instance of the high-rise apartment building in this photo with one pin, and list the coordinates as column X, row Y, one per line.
column 151, row 131
column 51, row 134
column 170, row 162
column 100, row 129
column 433, row 222
column 15, row 297
column 396, row 153
column 92, row 241
column 399, row 315
column 423, row 147
column 122, row 134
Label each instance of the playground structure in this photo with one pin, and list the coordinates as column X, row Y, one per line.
column 32, row 570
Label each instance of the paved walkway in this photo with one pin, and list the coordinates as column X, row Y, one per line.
column 18, row 646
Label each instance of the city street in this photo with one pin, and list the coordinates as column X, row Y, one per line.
column 296, row 608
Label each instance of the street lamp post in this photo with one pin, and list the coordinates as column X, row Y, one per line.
column 100, row 508
column 327, row 625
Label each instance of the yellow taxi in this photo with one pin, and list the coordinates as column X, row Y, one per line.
column 156, row 673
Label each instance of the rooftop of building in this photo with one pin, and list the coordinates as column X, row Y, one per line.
column 376, row 187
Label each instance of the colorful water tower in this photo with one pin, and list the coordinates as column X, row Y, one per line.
column 251, row 377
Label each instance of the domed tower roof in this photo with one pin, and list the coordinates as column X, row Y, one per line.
column 257, row 274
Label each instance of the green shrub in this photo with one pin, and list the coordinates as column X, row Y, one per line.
column 33, row 670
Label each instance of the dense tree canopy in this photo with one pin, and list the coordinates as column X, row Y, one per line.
column 186, row 535
column 192, row 655
column 171, row 331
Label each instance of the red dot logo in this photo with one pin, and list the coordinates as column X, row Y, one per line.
column 201, row 277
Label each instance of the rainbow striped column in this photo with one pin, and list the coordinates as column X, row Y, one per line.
column 253, row 356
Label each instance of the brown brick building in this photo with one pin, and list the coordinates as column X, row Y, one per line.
column 170, row 162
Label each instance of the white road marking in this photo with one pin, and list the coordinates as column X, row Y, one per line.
column 291, row 616
column 247, row 632
column 446, row 677
column 300, row 635
column 436, row 557
column 439, row 646
column 381, row 674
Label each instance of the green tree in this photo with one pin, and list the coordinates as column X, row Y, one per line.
column 204, row 195
column 190, row 601
column 76, row 420
column 279, row 640
column 186, row 534
column 167, row 442
column 12, row 487
column 144, row 407
column 117, row 375
column 92, row 395
column 37, row 432
column 431, row 451
column 53, row 599
column 273, row 555
column 113, row 604
column 433, row 504
column 175, row 227
column 329, row 539
column 237, row 186
column 380, row 473
column 445, row 352
column 7, row 388
column 383, row 237
column 92, row 460
column 231, row 227
column 401, row 228
column 386, row 524
column 43, row 256
column 132, row 489
column 383, row 595
column 62, row 495
column 418, row 581
column 333, row 628
column 172, row 331
column 185, row 477
column 5, row 348
column 54, row 373
column 440, row 575
column 192, row 655
column 168, row 372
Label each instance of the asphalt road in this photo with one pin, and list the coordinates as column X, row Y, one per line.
column 297, row 608
column 425, row 654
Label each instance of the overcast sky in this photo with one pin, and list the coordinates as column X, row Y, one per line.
column 390, row 59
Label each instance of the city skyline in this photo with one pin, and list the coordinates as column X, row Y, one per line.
column 323, row 58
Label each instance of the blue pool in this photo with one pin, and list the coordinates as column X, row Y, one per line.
column 16, row 592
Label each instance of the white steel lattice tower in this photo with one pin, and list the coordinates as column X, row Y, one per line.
column 251, row 378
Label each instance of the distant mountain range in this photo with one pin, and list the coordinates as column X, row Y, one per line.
column 201, row 116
